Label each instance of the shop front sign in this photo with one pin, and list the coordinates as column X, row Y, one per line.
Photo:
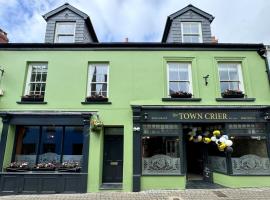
column 204, row 116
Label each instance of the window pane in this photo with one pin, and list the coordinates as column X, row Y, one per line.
column 99, row 73
column 250, row 155
column 174, row 72
column 224, row 86
column 43, row 85
column 187, row 38
column 174, row 87
column 233, row 72
column 184, row 86
column 33, row 77
column 44, row 77
column 186, row 28
column 194, row 28
column 160, row 155
column 65, row 28
column 178, row 71
column 73, row 144
column 65, row 38
column 234, row 86
column 223, row 74
column 191, row 28
column 195, row 39
column 183, row 70
column 191, row 38
column 98, row 88
column 26, row 144
column 50, row 146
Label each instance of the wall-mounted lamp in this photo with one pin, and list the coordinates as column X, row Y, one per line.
column 136, row 128
column 206, row 79
column 267, row 116
column 145, row 116
column 2, row 71
column 1, row 74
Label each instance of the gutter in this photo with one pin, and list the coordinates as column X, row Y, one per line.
column 137, row 46
column 263, row 53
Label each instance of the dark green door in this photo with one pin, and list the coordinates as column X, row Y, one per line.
column 113, row 159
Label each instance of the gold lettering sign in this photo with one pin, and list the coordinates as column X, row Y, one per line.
column 196, row 116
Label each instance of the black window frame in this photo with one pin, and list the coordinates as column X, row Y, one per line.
column 266, row 134
column 181, row 147
column 40, row 138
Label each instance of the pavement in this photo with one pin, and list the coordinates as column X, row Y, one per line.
column 188, row 194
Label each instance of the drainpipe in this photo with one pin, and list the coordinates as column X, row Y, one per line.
column 263, row 53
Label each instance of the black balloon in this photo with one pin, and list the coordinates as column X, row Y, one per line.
column 229, row 150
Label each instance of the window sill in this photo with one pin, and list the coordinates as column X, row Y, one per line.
column 96, row 102
column 163, row 174
column 31, row 102
column 181, row 99
column 236, row 99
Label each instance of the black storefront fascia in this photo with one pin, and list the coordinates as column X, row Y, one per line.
column 188, row 115
column 34, row 182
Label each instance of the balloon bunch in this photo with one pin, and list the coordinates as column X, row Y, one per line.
column 222, row 141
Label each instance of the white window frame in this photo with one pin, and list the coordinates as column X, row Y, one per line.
column 192, row 34
column 90, row 76
column 240, row 75
column 189, row 76
column 63, row 34
column 28, row 78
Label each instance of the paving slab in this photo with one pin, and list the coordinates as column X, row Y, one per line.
column 188, row 194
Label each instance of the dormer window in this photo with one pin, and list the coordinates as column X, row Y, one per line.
column 65, row 32
column 191, row 32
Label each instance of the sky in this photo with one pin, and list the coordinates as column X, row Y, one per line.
column 236, row 21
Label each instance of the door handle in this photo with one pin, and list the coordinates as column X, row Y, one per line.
column 114, row 163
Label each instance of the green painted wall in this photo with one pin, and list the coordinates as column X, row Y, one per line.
column 242, row 181
column 9, row 146
column 135, row 78
column 163, row 182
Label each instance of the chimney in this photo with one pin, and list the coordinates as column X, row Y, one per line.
column 3, row 37
column 126, row 39
column 214, row 40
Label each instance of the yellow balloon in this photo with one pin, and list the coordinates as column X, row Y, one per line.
column 216, row 133
column 207, row 140
column 222, row 146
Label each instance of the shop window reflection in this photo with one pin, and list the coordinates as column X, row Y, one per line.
column 160, row 155
column 27, row 142
column 48, row 144
column 250, row 155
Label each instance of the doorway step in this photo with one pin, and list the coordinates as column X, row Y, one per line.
column 111, row 186
column 201, row 184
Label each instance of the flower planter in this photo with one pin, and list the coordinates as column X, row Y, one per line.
column 232, row 94
column 181, row 95
column 11, row 169
column 96, row 99
column 32, row 98
column 43, row 169
column 63, row 169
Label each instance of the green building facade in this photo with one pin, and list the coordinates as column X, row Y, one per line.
column 145, row 141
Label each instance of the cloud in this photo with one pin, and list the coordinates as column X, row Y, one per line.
column 235, row 21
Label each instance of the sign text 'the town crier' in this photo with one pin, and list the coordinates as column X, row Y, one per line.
column 196, row 116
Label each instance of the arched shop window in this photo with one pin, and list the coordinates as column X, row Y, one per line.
column 49, row 144
column 160, row 153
